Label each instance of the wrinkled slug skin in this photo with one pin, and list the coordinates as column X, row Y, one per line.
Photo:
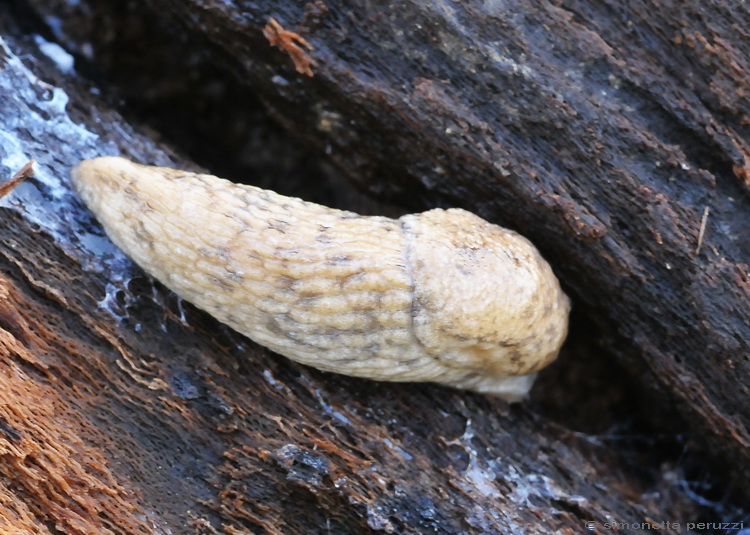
column 441, row 296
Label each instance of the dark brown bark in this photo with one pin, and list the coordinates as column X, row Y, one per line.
column 124, row 409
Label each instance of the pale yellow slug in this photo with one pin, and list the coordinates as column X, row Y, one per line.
column 440, row 296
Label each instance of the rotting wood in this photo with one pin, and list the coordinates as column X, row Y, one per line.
column 601, row 141
column 191, row 420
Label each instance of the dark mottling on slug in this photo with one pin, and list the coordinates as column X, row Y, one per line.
column 284, row 282
column 279, row 225
column 244, row 226
column 223, row 253
column 408, row 362
column 307, row 303
column 339, row 259
column 287, row 254
column 234, row 278
column 552, row 332
column 273, row 326
column 426, row 297
column 223, row 283
column 515, row 357
column 144, row 235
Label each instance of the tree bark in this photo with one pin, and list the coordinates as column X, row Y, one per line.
column 125, row 410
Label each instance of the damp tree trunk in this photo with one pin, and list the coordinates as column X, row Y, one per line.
column 613, row 135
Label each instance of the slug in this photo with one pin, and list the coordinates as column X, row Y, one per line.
column 441, row 296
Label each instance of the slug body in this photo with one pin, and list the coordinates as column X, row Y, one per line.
column 441, row 296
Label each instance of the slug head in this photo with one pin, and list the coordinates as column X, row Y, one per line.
column 486, row 303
